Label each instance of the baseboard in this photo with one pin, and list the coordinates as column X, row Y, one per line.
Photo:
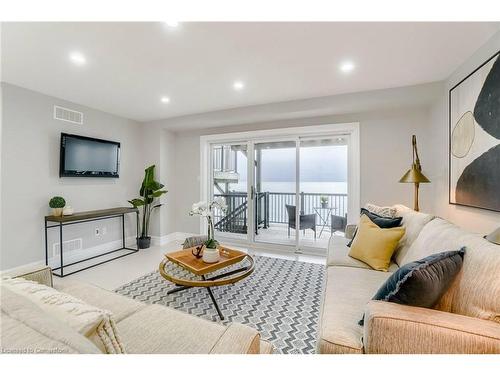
column 25, row 268
column 171, row 237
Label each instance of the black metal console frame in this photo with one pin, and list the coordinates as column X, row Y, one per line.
column 62, row 224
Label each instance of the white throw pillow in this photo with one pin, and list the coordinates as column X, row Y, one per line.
column 94, row 323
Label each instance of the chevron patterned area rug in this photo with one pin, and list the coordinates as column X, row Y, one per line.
column 281, row 299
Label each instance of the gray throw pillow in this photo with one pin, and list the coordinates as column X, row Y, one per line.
column 423, row 282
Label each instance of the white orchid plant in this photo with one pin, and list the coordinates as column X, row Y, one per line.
column 206, row 210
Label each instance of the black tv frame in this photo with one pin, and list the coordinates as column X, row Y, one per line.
column 62, row 156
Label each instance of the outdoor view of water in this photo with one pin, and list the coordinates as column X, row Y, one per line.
column 289, row 187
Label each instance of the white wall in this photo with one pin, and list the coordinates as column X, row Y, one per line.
column 158, row 147
column 474, row 219
column 30, row 173
column 385, row 156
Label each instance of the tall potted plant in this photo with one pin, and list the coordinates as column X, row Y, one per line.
column 150, row 191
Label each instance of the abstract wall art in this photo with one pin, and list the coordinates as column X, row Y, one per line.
column 474, row 115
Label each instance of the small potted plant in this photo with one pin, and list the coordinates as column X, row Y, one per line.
column 324, row 201
column 150, row 191
column 210, row 251
column 57, row 204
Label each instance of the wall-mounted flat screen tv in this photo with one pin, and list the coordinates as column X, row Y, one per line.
column 88, row 157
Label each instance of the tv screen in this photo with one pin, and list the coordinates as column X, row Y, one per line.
column 88, row 157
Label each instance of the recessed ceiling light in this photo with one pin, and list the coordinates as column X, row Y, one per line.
column 77, row 58
column 238, row 85
column 347, row 67
column 165, row 99
column 172, row 24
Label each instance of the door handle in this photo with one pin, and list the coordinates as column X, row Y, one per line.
column 252, row 192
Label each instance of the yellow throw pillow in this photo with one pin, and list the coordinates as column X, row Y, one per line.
column 374, row 245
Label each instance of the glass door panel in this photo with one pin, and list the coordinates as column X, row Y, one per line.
column 229, row 181
column 322, row 189
column 274, row 195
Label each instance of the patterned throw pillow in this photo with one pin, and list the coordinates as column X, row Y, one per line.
column 422, row 283
column 382, row 211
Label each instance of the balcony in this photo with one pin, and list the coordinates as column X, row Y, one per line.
column 272, row 219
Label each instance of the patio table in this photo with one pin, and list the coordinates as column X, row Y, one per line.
column 324, row 219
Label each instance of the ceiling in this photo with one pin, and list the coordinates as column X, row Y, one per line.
column 131, row 66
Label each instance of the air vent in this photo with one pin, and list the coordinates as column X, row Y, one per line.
column 68, row 115
column 70, row 245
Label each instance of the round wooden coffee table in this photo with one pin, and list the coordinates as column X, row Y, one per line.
column 186, row 271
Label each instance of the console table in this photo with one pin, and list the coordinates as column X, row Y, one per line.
column 85, row 217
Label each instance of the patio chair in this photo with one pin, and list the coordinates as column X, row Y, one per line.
column 338, row 223
column 306, row 221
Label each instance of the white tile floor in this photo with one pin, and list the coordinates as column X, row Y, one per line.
column 121, row 271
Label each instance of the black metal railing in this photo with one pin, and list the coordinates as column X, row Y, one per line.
column 271, row 208
column 234, row 219
column 310, row 203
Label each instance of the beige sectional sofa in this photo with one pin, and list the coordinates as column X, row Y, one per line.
column 142, row 328
column 466, row 320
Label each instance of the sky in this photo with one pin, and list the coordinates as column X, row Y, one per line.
column 317, row 164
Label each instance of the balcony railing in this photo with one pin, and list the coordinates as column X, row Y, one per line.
column 271, row 208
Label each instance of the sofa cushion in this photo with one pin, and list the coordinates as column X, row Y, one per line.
column 348, row 290
column 374, row 245
column 423, row 282
column 413, row 222
column 118, row 305
column 476, row 290
column 94, row 323
column 338, row 255
column 168, row 331
column 381, row 221
column 25, row 328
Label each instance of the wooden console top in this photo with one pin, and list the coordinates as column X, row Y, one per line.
column 91, row 214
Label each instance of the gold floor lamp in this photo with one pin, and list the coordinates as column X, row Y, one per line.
column 414, row 174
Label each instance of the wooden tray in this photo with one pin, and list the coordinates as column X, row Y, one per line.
column 187, row 260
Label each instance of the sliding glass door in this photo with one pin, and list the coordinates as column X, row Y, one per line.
column 289, row 192
column 322, row 189
column 274, row 185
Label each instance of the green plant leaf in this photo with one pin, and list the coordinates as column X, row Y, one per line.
column 149, row 174
column 149, row 191
column 136, row 202
column 57, row 202
column 211, row 244
column 158, row 193
column 154, row 185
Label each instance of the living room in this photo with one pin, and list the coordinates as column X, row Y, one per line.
column 248, row 187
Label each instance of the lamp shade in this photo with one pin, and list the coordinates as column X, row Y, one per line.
column 414, row 176
column 494, row 236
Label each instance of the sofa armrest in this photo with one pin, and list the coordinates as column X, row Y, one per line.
column 238, row 339
column 40, row 274
column 350, row 229
column 393, row 328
